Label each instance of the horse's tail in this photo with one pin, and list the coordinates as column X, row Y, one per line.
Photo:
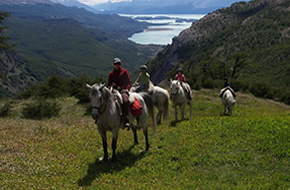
column 150, row 105
column 166, row 108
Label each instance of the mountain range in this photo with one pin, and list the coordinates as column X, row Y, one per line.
column 55, row 39
column 154, row 6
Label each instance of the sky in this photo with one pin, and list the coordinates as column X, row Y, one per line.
column 93, row 2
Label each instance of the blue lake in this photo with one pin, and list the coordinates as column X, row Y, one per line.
column 168, row 27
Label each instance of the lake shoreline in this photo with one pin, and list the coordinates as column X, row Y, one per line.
column 163, row 29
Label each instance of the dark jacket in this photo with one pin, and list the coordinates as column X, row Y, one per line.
column 121, row 78
column 227, row 84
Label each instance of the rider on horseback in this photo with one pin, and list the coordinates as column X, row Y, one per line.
column 227, row 86
column 143, row 79
column 119, row 79
column 180, row 76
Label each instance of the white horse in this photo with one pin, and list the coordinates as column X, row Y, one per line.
column 106, row 112
column 179, row 98
column 160, row 98
column 227, row 100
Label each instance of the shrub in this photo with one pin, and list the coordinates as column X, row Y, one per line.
column 4, row 110
column 260, row 90
column 41, row 109
column 209, row 83
column 239, row 85
column 53, row 87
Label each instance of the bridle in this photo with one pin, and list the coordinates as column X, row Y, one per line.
column 174, row 94
column 103, row 107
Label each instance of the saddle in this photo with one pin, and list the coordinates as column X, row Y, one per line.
column 228, row 88
column 135, row 105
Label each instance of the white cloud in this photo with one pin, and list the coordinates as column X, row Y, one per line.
column 93, row 2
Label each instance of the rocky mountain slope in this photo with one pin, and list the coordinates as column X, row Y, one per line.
column 13, row 74
column 258, row 31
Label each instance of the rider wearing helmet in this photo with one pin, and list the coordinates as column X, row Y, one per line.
column 119, row 79
column 180, row 76
column 227, row 86
column 142, row 80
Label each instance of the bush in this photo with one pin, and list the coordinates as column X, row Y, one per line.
column 239, row 85
column 41, row 109
column 53, row 87
column 210, row 83
column 4, row 111
column 260, row 90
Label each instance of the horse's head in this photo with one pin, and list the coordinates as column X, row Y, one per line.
column 99, row 96
column 175, row 88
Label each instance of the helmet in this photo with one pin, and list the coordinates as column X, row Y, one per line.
column 179, row 69
column 117, row 61
column 143, row 67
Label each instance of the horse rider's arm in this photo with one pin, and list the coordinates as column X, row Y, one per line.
column 137, row 80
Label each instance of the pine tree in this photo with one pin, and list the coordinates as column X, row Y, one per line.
column 3, row 38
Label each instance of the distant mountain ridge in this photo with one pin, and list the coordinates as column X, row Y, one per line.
column 53, row 39
column 259, row 29
column 76, row 3
column 163, row 7
column 25, row 2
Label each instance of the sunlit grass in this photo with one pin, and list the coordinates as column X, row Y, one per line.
column 249, row 150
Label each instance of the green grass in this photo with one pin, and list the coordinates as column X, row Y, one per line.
column 249, row 150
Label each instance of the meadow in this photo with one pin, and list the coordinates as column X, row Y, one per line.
column 249, row 150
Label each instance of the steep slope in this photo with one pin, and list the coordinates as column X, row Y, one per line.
column 54, row 39
column 13, row 75
column 247, row 41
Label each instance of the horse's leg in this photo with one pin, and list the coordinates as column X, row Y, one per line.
column 158, row 118
column 182, row 107
column 105, row 145
column 175, row 111
column 190, row 109
column 145, row 132
column 230, row 110
column 225, row 109
column 134, row 129
column 114, row 143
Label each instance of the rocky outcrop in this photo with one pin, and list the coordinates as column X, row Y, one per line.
column 13, row 75
column 227, row 23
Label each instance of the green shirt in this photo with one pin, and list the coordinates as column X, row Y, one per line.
column 143, row 79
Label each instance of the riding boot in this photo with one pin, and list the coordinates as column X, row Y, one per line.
column 125, row 122
column 125, row 109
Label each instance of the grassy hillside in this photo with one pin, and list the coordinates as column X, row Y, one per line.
column 249, row 150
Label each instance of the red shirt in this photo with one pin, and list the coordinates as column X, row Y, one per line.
column 121, row 78
column 180, row 77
